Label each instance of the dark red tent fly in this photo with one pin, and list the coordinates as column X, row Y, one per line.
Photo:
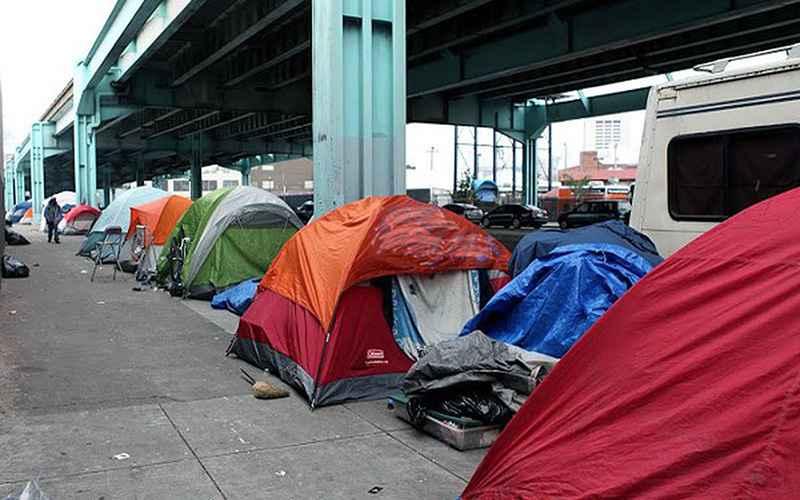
column 688, row 387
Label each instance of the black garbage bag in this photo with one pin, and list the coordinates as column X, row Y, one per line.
column 14, row 268
column 476, row 402
column 13, row 238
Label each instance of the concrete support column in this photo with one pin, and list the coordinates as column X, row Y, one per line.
column 106, row 186
column 140, row 170
column 196, row 169
column 85, row 161
column 8, row 185
column 245, row 165
column 19, row 184
column 359, row 100
column 37, row 170
column 529, row 173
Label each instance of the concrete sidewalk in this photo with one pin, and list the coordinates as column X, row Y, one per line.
column 94, row 371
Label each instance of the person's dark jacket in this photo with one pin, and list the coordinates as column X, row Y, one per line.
column 52, row 213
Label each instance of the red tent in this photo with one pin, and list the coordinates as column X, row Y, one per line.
column 318, row 321
column 689, row 386
column 79, row 220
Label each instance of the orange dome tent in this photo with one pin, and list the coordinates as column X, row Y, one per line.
column 159, row 216
column 319, row 320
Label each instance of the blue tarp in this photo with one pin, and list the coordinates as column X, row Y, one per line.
column 485, row 190
column 537, row 244
column 236, row 298
column 548, row 306
column 19, row 211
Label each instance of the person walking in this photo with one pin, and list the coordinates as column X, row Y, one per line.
column 52, row 216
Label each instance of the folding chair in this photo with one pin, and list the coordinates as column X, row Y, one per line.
column 112, row 241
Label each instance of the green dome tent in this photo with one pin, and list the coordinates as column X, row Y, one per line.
column 225, row 237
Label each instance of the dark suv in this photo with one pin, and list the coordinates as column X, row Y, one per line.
column 516, row 216
column 592, row 212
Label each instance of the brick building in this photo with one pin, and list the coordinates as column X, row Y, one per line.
column 592, row 169
column 286, row 177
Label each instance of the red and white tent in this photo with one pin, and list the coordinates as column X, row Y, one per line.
column 688, row 387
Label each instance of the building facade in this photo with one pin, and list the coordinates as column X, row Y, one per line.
column 291, row 177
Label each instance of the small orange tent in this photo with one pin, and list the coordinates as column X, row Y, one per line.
column 159, row 216
column 27, row 218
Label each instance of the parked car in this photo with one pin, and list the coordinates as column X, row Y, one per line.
column 305, row 211
column 516, row 216
column 592, row 212
column 469, row 212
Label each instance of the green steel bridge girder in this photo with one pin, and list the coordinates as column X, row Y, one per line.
column 359, row 99
column 8, row 185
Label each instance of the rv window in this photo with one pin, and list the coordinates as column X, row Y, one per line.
column 714, row 176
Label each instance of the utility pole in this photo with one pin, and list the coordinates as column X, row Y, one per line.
column 455, row 159
column 432, row 152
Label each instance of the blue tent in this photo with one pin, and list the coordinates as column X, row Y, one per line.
column 19, row 211
column 537, row 244
column 548, row 306
column 236, row 298
column 485, row 190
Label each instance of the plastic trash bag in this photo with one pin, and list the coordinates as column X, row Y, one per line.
column 14, row 268
column 31, row 492
column 13, row 238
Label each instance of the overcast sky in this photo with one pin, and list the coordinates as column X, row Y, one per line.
column 40, row 43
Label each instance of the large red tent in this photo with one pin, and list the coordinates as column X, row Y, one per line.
column 688, row 387
column 317, row 320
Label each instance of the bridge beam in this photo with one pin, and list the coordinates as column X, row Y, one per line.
column 19, row 181
column 85, row 163
column 38, row 131
column 359, row 100
column 8, row 185
column 245, row 165
column 196, row 169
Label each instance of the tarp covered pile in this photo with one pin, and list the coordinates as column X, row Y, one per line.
column 320, row 320
column 538, row 244
column 687, row 387
column 473, row 377
column 557, row 298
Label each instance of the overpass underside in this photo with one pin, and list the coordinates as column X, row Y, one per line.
column 172, row 85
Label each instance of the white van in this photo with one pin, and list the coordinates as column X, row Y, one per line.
column 713, row 146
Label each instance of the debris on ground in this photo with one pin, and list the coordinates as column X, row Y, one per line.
column 264, row 390
column 30, row 492
column 14, row 268
column 13, row 238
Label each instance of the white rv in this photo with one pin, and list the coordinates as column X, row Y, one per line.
column 713, row 146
